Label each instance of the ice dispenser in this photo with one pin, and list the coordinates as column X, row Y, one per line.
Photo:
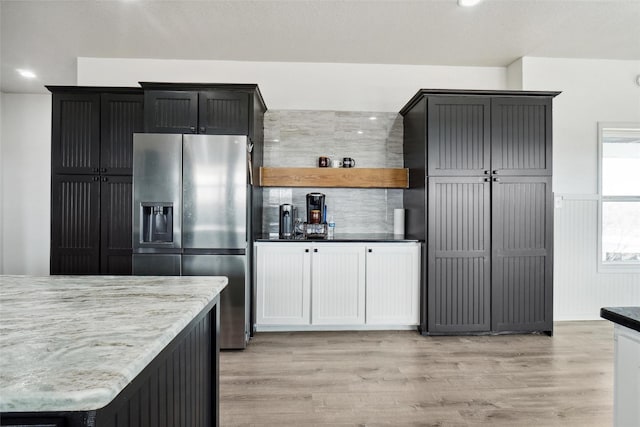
column 157, row 222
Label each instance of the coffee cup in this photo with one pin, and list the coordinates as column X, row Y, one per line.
column 323, row 161
column 348, row 162
column 336, row 163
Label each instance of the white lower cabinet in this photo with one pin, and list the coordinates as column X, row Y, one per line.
column 283, row 284
column 324, row 285
column 626, row 383
column 338, row 284
column 393, row 284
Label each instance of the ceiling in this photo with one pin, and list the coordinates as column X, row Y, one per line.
column 48, row 36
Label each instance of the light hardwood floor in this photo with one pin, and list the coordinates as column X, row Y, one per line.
column 399, row 378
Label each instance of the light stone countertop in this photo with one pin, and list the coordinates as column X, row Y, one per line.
column 72, row 343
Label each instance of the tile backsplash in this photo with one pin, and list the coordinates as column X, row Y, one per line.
column 298, row 138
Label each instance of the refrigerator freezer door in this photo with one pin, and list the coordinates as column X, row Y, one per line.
column 234, row 306
column 214, row 192
column 156, row 264
column 157, row 187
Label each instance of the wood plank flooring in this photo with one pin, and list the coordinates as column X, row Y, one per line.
column 399, row 378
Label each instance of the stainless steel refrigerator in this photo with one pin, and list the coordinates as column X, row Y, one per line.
column 191, row 216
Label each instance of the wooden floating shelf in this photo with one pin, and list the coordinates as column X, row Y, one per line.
column 335, row 177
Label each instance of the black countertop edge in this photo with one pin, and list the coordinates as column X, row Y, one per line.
column 625, row 316
column 342, row 238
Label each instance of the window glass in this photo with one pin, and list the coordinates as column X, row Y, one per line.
column 621, row 231
column 620, row 196
column 620, row 163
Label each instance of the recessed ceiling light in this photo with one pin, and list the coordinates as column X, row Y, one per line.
column 27, row 74
column 360, row 132
column 276, row 140
column 372, row 118
column 468, row 3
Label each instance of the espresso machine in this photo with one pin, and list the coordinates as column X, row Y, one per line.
column 315, row 202
column 316, row 225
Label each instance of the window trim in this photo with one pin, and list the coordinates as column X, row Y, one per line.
column 609, row 267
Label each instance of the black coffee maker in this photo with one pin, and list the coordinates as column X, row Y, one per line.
column 315, row 202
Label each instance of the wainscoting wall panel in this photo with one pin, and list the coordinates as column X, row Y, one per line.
column 579, row 289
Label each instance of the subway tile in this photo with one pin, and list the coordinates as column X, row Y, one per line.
column 296, row 138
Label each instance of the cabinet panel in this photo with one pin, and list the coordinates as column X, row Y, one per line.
column 75, row 133
column 458, row 278
column 116, row 219
column 283, row 285
column 522, row 231
column 75, row 224
column 393, row 285
column 223, row 113
column 121, row 116
column 458, row 136
column 338, row 285
column 521, row 136
column 170, row 111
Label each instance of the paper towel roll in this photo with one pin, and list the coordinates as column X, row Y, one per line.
column 398, row 222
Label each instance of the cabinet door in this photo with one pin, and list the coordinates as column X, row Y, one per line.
column 75, row 224
column 75, row 133
column 458, row 257
column 120, row 116
column 393, row 284
column 115, row 224
column 522, row 229
column 170, row 111
column 521, row 136
column 458, row 136
column 338, row 285
column 283, row 285
column 223, row 113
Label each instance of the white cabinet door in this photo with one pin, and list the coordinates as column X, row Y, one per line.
column 338, row 284
column 393, row 284
column 283, row 284
column 626, row 383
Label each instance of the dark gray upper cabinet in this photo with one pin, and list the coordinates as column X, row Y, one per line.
column 214, row 109
column 458, row 136
column 75, row 133
column 521, row 136
column 121, row 116
column 170, row 111
column 487, row 208
column 91, row 166
column 223, row 113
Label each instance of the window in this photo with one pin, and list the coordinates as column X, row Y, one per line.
column 619, row 210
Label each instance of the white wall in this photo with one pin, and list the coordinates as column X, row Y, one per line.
column 299, row 86
column 26, row 165
column 592, row 91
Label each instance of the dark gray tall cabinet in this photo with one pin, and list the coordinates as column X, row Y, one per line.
column 91, row 160
column 480, row 199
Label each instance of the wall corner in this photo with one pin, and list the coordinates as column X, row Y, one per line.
column 515, row 78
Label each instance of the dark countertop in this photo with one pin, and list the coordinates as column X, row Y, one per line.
column 625, row 316
column 345, row 237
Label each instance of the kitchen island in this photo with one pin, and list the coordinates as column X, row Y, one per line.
column 109, row 351
column 626, row 383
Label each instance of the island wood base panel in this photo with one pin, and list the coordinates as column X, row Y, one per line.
column 178, row 388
